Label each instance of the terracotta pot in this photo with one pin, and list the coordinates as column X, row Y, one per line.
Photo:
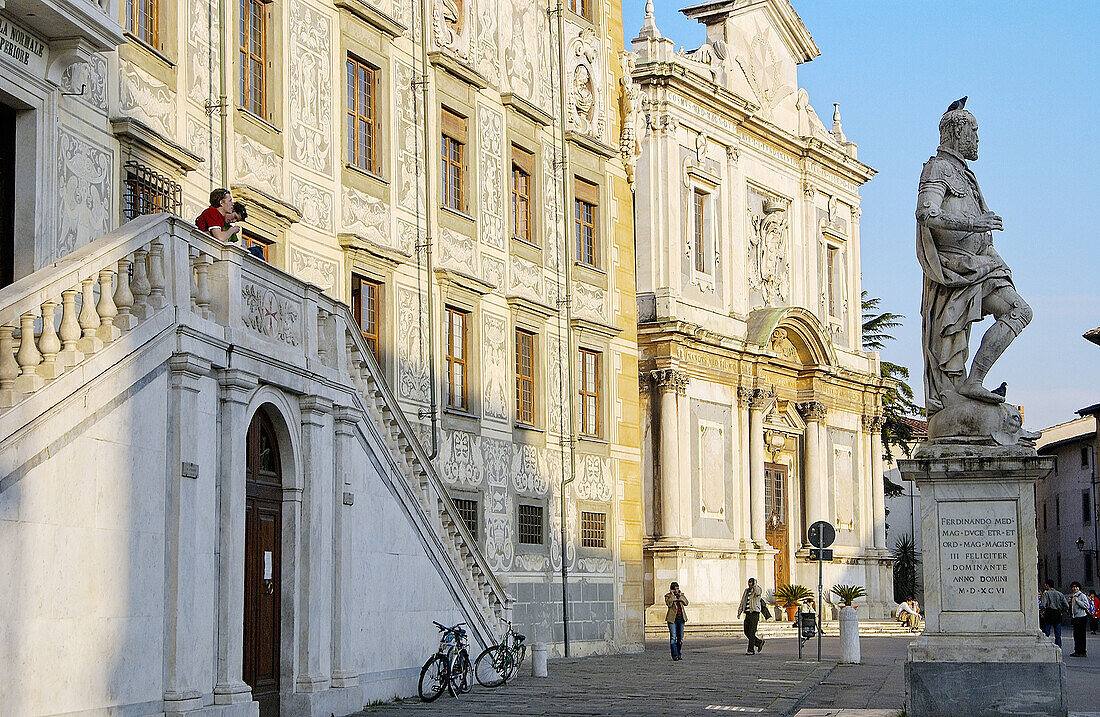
column 791, row 612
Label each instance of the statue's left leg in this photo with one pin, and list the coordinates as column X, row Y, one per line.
column 1012, row 314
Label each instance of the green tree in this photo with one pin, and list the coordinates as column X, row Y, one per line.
column 906, row 559
column 897, row 404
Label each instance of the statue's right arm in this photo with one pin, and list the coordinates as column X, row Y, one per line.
column 930, row 207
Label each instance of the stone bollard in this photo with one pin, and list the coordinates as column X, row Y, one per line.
column 849, row 636
column 538, row 659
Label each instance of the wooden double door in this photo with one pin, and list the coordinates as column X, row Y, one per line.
column 777, row 532
column 262, row 559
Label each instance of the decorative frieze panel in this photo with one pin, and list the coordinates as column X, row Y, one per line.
column 410, row 196
column 488, row 61
column 271, row 315
column 589, row 302
column 364, row 215
column 768, row 262
column 493, row 272
column 593, row 478
column 554, row 365
column 499, row 542
column 495, row 368
column 412, row 365
column 529, row 471
column 457, row 251
column 712, row 469
column 314, row 269
column 205, row 141
column 310, row 87
column 87, row 81
column 526, row 279
column 461, row 459
column 203, row 24
column 257, row 165
column 315, row 203
column 84, row 186
column 491, row 153
column 521, row 46
column 147, row 99
column 552, row 206
column 844, row 487
column 451, row 26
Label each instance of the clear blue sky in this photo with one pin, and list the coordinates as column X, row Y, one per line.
column 1031, row 71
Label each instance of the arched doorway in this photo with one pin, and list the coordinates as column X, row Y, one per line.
column 262, row 558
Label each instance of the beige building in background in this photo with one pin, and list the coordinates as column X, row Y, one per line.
column 762, row 413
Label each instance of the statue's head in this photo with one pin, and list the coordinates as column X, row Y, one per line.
column 959, row 130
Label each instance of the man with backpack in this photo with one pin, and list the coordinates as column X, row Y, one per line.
column 1054, row 604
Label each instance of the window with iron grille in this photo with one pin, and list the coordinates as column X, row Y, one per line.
column 467, row 510
column 148, row 192
column 593, row 529
column 530, row 524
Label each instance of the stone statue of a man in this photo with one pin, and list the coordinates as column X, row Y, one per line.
column 964, row 277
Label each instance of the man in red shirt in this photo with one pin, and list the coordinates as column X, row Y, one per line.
column 215, row 217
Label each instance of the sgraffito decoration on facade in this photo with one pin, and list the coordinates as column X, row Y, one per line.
column 410, row 195
column 451, row 26
column 407, row 236
column 314, row 269
column 499, row 550
column 521, row 49
column 594, row 479
column 486, row 50
column 412, row 366
column 769, row 269
column 258, row 165
column 554, row 348
column 528, row 471
column 526, row 278
column 366, row 216
column 589, row 302
column 199, row 137
column 586, row 114
column 461, row 459
column 146, row 98
column 314, row 202
column 310, row 87
column 490, row 137
column 87, row 81
column 552, row 207
column 492, row 270
column 84, row 185
column 269, row 314
column 203, row 26
column 495, row 396
column 457, row 251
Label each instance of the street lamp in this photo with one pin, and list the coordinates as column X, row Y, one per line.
column 1081, row 544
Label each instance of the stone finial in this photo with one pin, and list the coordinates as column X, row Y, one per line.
column 838, row 131
column 649, row 29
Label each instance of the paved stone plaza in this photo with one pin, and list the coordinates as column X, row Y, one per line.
column 716, row 677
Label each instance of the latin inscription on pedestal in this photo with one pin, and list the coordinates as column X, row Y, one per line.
column 979, row 556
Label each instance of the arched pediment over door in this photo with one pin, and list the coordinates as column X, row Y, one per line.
column 794, row 334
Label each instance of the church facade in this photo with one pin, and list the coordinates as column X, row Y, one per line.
column 761, row 412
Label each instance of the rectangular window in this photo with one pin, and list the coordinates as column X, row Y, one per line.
column 253, row 56
column 1088, row 568
column 584, row 221
column 142, row 18
column 361, row 114
column 590, row 392
column 456, row 358
column 582, row 8
column 148, row 192
column 467, row 510
column 1059, row 568
column 454, row 157
column 593, row 529
column 833, row 279
column 1084, row 457
column 365, row 298
column 1044, row 516
column 1086, row 508
column 700, row 238
column 525, row 377
column 530, row 524
column 521, row 193
column 266, row 246
column 1057, row 513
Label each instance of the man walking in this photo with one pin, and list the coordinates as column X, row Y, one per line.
column 1080, row 607
column 750, row 607
column 675, row 617
column 1054, row 603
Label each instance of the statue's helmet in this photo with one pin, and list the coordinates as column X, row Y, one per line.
column 956, row 116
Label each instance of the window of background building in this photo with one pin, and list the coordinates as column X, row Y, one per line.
column 1059, row 569
column 266, row 245
column 1085, row 457
column 1086, row 508
column 1057, row 513
column 1044, row 516
column 456, row 358
column 590, row 392
column 582, row 8
column 586, row 205
column 253, row 52
column 1088, row 569
column 522, row 162
column 525, row 377
column 593, row 529
column 362, row 83
column 699, row 205
column 454, row 157
column 366, row 297
column 142, row 17
column 530, row 524
column 467, row 510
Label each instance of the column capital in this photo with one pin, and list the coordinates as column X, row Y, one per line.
column 670, row 379
column 813, row 410
column 186, row 370
column 756, row 398
column 236, row 384
column 346, row 415
column 873, row 422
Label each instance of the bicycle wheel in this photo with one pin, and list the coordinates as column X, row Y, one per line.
column 460, row 673
column 433, row 678
column 490, row 667
column 518, row 653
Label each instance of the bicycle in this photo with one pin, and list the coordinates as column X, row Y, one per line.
column 449, row 667
column 500, row 663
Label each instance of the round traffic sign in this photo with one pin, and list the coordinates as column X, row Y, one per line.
column 821, row 534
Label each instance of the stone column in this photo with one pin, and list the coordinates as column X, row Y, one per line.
column 878, row 490
column 816, row 471
column 236, row 387
column 315, row 576
column 344, row 671
column 741, row 468
column 188, row 531
column 865, row 516
column 670, row 383
column 761, row 400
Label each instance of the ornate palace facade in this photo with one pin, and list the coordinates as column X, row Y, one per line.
column 761, row 413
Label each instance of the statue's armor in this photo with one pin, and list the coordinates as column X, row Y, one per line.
column 947, row 188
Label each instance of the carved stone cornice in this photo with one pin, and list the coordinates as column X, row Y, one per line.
column 813, row 410
column 670, row 379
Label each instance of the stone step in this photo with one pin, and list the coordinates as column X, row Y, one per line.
column 769, row 630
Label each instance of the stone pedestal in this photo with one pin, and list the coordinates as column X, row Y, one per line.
column 981, row 652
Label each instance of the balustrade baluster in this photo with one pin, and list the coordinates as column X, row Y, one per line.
column 140, row 285
column 28, row 356
column 49, row 344
column 9, row 368
column 156, row 275
column 89, row 319
column 107, row 331
column 194, row 257
column 322, row 336
column 70, row 354
column 205, row 295
column 124, row 298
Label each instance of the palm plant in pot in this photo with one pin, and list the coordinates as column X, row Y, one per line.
column 789, row 596
column 847, row 593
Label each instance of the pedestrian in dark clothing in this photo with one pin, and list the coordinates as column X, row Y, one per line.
column 676, row 616
column 1054, row 604
column 750, row 606
column 1094, row 618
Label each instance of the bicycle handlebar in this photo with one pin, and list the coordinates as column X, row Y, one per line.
column 444, row 628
